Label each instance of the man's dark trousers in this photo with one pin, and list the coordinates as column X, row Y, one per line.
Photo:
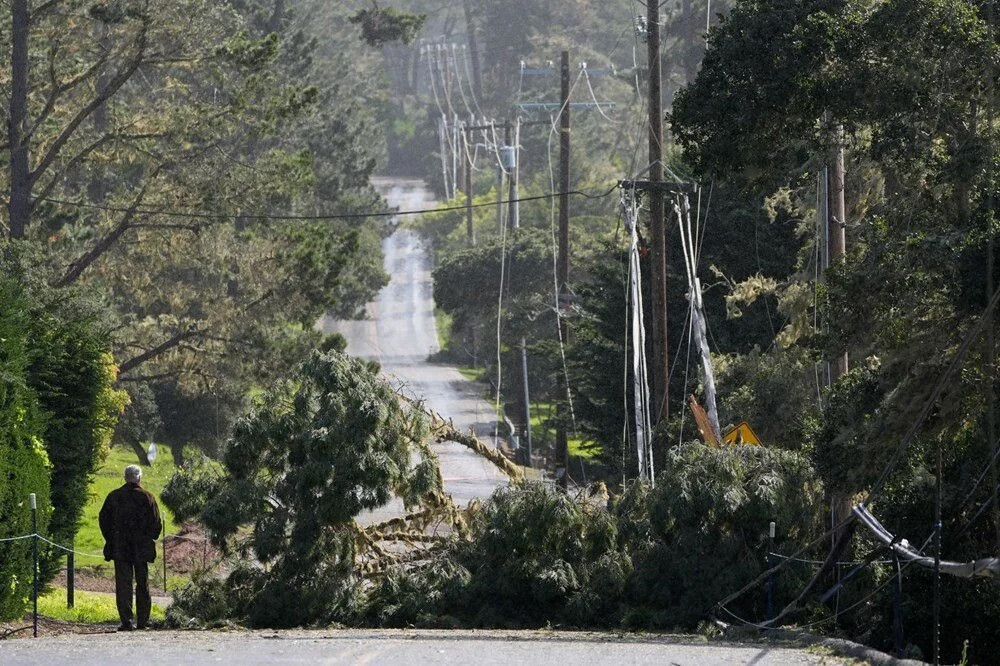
column 124, row 572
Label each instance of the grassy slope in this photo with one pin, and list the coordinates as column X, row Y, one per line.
column 109, row 477
column 87, row 607
column 541, row 433
column 442, row 325
column 473, row 374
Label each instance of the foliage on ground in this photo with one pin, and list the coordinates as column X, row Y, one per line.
column 706, row 536
column 534, row 556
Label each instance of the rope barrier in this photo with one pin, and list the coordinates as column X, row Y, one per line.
column 17, row 538
column 177, row 537
column 68, row 550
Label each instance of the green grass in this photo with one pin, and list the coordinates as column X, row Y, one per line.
column 87, row 607
column 107, row 478
column 540, row 413
column 472, row 374
column 540, row 432
column 442, row 324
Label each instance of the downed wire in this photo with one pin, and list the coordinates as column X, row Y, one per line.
column 988, row 567
column 897, row 454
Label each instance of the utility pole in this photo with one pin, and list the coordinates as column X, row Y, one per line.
column 513, row 165
column 564, row 296
column 456, row 154
column 19, row 207
column 562, row 266
column 445, row 71
column 836, row 242
column 467, row 130
column 499, row 199
column 513, row 212
column 658, row 241
column 991, row 366
column 837, row 227
column 470, row 29
column 467, row 164
column 937, row 558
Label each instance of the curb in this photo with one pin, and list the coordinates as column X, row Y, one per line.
column 843, row 647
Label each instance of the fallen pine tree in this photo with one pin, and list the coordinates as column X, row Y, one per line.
column 335, row 440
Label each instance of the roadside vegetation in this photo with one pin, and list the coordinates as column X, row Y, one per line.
column 88, row 607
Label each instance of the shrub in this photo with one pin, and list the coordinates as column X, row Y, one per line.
column 23, row 461
column 73, row 375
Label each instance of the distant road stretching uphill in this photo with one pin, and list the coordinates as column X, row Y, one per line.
column 400, row 334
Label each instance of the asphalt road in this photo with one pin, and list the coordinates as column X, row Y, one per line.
column 400, row 333
column 440, row 648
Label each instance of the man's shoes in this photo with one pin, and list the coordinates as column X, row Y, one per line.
column 126, row 626
column 142, row 627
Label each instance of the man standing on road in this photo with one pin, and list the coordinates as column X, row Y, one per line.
column 130, row 523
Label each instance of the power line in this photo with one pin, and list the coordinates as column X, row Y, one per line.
column 838, row 613
column 333, row 216
column 876, row 488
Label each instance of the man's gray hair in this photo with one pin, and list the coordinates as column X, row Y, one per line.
column 133, row 473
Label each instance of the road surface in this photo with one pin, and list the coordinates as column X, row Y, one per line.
column 400, row 334
column 439, row 648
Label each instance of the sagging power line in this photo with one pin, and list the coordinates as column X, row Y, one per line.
column 308, row 218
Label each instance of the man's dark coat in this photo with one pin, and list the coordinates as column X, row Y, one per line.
column 130, row 523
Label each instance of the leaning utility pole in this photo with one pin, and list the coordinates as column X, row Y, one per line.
column 658, row 241
column 562, row 267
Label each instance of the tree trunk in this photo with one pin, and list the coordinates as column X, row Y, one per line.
column 139, row 451
column 19, row 207
column 97, row 188
column 177, row 450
